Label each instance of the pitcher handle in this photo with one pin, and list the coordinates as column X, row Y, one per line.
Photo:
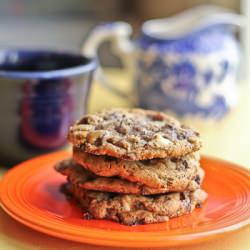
column 118, row 34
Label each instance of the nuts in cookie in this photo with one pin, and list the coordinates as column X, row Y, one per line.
column 133, row 134
column 133, row 166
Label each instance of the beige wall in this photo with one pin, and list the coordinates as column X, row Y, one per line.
column 147, row 9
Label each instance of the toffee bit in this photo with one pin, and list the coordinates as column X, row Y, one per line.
column 137, row 134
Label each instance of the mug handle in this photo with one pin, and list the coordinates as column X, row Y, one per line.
column 118, row 34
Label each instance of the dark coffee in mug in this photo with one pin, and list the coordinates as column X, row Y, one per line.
column 41, row 94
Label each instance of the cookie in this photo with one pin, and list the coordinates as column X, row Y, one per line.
column 77, row 175
column 133, row 134
column 168, row 173
column 135, row 209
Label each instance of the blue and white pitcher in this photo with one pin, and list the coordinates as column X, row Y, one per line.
column 186, row 64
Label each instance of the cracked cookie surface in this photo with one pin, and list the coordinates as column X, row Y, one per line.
column 133, row 134
column 135, row 209
column 83, row 178
column 169, row 173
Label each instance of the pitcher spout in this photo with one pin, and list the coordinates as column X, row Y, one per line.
column 192, row 20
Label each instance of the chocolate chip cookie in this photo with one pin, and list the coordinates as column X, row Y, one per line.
column 134, row 209
column 83, row 178
column 173, row 174
column 133, row 134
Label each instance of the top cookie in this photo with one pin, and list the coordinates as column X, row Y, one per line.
column 133, row 134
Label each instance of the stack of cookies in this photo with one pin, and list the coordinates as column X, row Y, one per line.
column 133, row 166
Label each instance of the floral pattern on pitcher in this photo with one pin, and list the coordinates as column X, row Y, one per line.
column 187, row 63
column 189, row 82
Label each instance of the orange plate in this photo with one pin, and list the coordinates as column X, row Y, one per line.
column 30, row 194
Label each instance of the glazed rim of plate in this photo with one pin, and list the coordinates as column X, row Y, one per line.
column 28, row 215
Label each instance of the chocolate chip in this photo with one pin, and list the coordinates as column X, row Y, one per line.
column 137, row 129
column 180, row 137
column 64, row 188
column 84, row 120
column 169, row 126
column 98, row 142
column 146, row 137
column 197, row 179
column 121, row 129
column 199, row 205
column 185, row 164
column 139, row 222
column 110, row 140
column 196, row 133
column 122, row 144
column 174, row 160
column 182, row 196
column 120, row 219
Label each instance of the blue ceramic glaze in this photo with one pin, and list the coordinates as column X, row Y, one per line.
column 191, row 75
column 204, row 40
column 186, row 64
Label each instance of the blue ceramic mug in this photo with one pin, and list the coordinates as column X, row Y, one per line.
column 41, row 94
column 186, row 64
